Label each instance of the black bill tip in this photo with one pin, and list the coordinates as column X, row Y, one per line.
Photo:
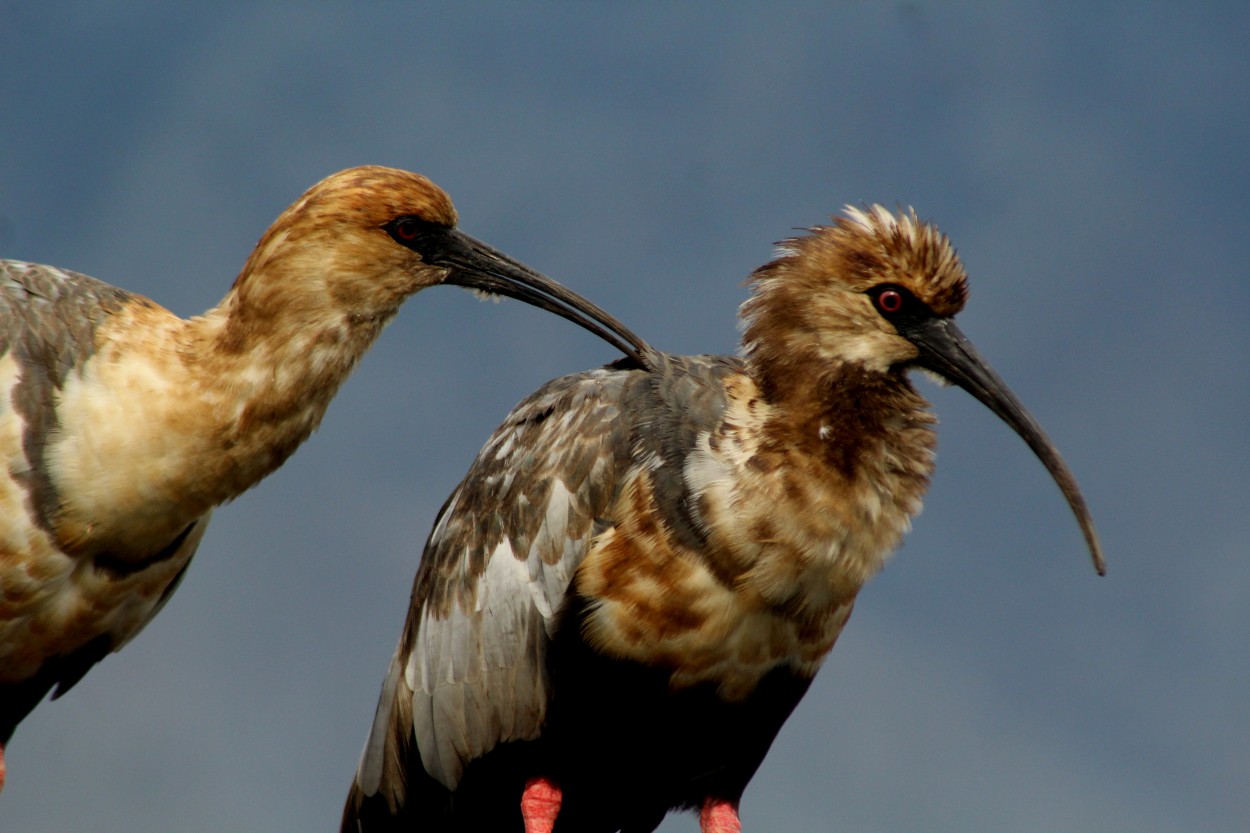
column 474, row 265
column 945, row 351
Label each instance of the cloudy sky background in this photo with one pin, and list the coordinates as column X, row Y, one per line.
column 1090, row 164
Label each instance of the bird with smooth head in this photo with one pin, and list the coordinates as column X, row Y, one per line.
column 126, row 425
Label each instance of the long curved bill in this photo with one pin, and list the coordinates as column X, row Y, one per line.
column 475, row 265
column 946, row 351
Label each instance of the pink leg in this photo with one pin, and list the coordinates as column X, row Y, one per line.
column 719, row 816
column 540, row 804
column 3, row 769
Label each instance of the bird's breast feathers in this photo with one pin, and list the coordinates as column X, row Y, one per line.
column 786, row 548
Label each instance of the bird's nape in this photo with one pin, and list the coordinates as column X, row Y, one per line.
column 946, row 351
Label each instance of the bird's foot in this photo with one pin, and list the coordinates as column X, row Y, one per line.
column 540, row 804
column 719, row 816
column 3, row 770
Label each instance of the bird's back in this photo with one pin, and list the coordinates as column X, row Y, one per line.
column 493, row 680
column 57, row 619
column 468, row 673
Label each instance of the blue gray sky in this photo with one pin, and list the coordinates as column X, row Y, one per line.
column 1088, row 160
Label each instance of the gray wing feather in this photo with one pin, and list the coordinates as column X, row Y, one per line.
column 469, row 673
column 52, row 314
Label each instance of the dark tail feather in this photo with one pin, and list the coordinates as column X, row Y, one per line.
column 370, row 814
column 488, row 799
column 19, row 699
column 422, row 806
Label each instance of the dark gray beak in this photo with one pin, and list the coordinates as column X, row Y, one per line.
column 947, row 352
column 475, row 265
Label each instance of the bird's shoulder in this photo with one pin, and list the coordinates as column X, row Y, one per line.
column 554, row 459
column 49, row 316
column 556, row 464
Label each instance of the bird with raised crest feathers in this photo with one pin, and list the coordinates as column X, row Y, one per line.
column 646, row 565
column 123, row 425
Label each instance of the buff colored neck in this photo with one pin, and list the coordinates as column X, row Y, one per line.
column 172, row 417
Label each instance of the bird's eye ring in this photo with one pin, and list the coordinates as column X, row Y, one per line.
column 890, row 300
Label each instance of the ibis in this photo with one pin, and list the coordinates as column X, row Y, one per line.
column 647, row 563
column 123, row 425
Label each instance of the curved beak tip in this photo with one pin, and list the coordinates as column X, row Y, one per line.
column 946, row 352
column 489, row 273
column 1100, row 563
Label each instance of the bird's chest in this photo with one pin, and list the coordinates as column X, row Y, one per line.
column 786, row 538
column 719, row 616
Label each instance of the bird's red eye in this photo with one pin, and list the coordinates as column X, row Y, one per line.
column 410, row 230
column 407, row 229
column 891, row 300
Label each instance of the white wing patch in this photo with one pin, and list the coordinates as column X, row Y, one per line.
column 473, row 675
column 470, row 671
column 548, row 573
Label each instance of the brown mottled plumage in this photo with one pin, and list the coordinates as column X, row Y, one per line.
column 645, row 566
column 124, row 425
